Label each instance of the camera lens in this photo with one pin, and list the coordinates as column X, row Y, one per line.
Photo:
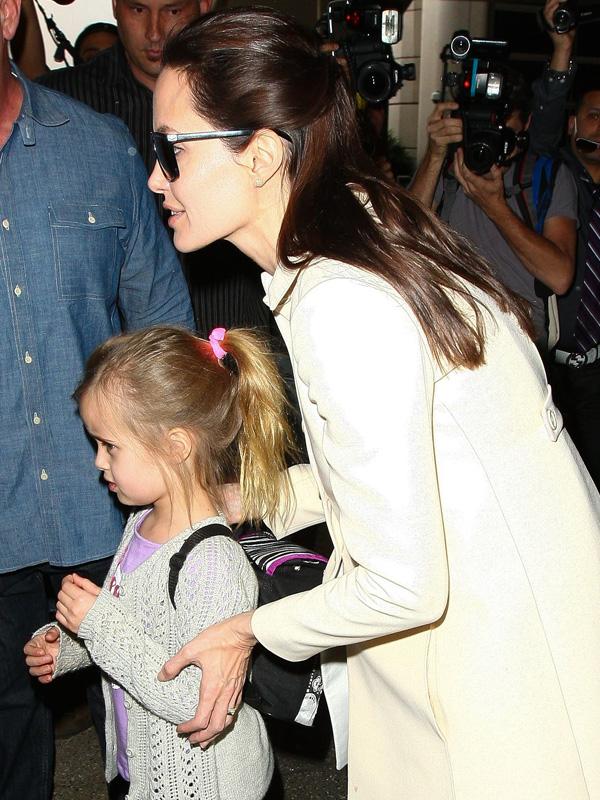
column 563, row 20
column 460, row 46
column 481, row 153
column 374, row 82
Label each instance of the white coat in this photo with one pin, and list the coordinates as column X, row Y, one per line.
column 465, row 578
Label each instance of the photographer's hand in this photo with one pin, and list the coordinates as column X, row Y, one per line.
column 487, row 191
column 442, row 130
column 562, row 42
column 549, row 256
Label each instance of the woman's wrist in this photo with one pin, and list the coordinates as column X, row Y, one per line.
column 244, row 630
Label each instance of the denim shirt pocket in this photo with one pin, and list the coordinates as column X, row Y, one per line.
column 87, row 251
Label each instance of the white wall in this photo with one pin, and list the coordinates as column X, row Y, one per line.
column 71, row 20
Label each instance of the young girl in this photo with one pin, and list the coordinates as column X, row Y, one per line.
column 174, row 417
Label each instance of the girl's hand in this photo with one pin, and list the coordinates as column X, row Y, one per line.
column 41, row 652
column 76, row 597
column 222, row 652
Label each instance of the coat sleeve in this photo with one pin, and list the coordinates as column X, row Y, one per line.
column 305, row 506
column 367, row 371
column 216, row 582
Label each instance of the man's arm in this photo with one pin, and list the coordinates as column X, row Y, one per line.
column 442, row 130
column 549, row 257
column 152, row 289
column 551, row 89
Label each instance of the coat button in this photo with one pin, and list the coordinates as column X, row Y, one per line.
column 91, row 217
column 6, row 224
column 129, row 752
column 552, row 419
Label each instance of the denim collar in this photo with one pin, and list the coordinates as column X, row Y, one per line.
column 37, row 106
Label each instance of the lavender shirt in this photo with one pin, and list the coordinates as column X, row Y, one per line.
column 137, row 552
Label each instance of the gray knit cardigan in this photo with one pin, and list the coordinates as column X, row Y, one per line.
column 131, row 637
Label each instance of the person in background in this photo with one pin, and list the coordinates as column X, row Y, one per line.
column 464, row 584
column 83, row 255
column 488, row 208
column 94, row 39
column 574, row 368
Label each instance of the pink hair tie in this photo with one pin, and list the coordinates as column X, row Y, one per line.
column 224, row 358
column 216, row 337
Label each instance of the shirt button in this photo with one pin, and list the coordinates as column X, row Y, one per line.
column 127, row 704
column 36, row 419
column 6, row 224
column 44, row 475
column 17, row 290
column 27, row 358
column 552, row 419
column 129, row 752
column 91, row 217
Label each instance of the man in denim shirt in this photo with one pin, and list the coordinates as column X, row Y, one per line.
column 82, row 255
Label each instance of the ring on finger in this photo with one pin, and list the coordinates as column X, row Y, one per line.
column 231, row 712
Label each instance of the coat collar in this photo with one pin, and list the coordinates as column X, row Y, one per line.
column 278, row 287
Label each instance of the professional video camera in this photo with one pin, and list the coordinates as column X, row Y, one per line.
column 476, row 76
column 571, row 13
column 366, row 32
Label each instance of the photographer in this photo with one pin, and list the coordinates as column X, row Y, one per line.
column 574, row 369
column 493, row 209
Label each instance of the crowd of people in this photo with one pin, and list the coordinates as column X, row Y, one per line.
column 441, row 344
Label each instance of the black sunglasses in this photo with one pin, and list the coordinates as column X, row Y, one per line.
column 164, row 146
column 586, row 145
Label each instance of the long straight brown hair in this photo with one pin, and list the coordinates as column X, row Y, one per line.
column 256, row 68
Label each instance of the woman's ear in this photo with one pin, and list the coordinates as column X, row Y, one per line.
column 264, row 156
column 180, row 443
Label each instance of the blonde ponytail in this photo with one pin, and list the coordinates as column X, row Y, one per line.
column 265, row 438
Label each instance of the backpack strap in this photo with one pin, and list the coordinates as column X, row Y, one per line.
column 177, row 560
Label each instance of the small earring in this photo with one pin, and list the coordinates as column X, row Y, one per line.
column 258, row 182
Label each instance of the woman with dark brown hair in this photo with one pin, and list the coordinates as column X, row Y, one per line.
column 464, row 582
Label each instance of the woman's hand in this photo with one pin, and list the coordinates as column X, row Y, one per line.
column 76, row 597
column 41, row 652
column 222, row 652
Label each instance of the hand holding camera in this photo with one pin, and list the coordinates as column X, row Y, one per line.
column 443, row 129
column 566, row 15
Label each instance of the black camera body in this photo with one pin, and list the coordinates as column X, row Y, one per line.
column 366, row 32
column 474, row 78
column 571, row 13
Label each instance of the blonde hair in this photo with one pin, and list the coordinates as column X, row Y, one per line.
column 165, row 377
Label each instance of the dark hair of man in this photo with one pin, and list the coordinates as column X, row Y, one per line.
column 256, row 68
column 95, row 27
column 587, row 80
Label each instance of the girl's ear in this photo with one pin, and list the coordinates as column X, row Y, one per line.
column 180, row 445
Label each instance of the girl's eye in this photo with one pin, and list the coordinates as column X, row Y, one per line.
column 176, row 149
column 109, row 447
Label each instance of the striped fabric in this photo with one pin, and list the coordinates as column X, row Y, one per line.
column 269, row 553
column 587, row 327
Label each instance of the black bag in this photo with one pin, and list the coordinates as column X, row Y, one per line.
column 286, row 690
